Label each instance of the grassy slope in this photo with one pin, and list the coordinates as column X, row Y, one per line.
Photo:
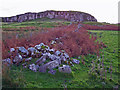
column 79, row 78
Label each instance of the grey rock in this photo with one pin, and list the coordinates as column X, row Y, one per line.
column 12, row 50
column 33, row 67
column 66, row 56
column 18, row 59
column 38, row 47
column 58, row 53
column 65, row 69
column 41, row 60
column 53, row 42
column 7, row 61
column 28, row 59
column 32, row 51
column 52, row 72
column 23, row 50
column 42, row 69
column 75, row 61
column 52, row 64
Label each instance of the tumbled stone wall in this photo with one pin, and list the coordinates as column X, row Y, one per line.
column 73, row 16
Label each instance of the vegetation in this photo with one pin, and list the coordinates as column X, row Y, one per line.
column 94, row 71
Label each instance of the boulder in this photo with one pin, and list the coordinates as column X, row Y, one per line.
column 65, row 69
column 42, row 69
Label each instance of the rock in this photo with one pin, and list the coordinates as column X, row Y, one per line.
column 52, row 72
column 63, row 58
column 42, row 69
column 28, row 59
column 38, row 47
column 52, row 64
column 24, row 65
column 18, row 59
column 12, row 50
column 23, row 51
column 65, row 69
column 51, row 51
column 75, row 61
column 33, row 67
column 32, row 51
column 7, row 61
column 66, row 56
column 41, row 60
column 58, row 53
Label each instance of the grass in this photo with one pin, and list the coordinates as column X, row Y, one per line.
column 79, row 78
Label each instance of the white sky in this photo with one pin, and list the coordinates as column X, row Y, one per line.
column 102, row 10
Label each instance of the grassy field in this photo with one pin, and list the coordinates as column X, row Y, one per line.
column 80, row 76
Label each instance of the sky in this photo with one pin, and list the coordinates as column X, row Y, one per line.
column 102, row 10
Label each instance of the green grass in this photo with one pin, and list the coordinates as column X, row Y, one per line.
column 43, row 22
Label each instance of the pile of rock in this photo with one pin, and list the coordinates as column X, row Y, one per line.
column 48, row 59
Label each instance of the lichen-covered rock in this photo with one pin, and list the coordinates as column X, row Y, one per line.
column 75, row 61
column 65, row 69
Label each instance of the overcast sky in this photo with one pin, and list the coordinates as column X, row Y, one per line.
column 102, row 10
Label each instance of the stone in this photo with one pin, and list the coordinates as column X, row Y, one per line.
column 66, row 56
column 52, row 64
column 33, row 67
column 7, row 61
column 58, row 53
column 32, row 51
column 42, row 69
column 28, row 59
column 18, row 59
column 52, row 72
column 38, row 47
column 41, row 60
column 65, row 69
column 23, row 50
column 24, row 65
column 12, row 50
column 75, row 61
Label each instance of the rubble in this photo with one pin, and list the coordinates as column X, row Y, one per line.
column 49, row 59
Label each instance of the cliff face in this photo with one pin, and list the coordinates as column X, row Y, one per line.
column 73, row 16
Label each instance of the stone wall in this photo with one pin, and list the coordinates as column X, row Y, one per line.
column 73, row 16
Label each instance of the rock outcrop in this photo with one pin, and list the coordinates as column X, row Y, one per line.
column 73, row 16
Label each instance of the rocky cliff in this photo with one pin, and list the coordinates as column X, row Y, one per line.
column 73, row 16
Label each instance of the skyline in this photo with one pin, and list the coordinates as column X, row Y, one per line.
column 103, row 11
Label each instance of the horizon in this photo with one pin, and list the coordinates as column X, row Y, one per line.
column 103, row 11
